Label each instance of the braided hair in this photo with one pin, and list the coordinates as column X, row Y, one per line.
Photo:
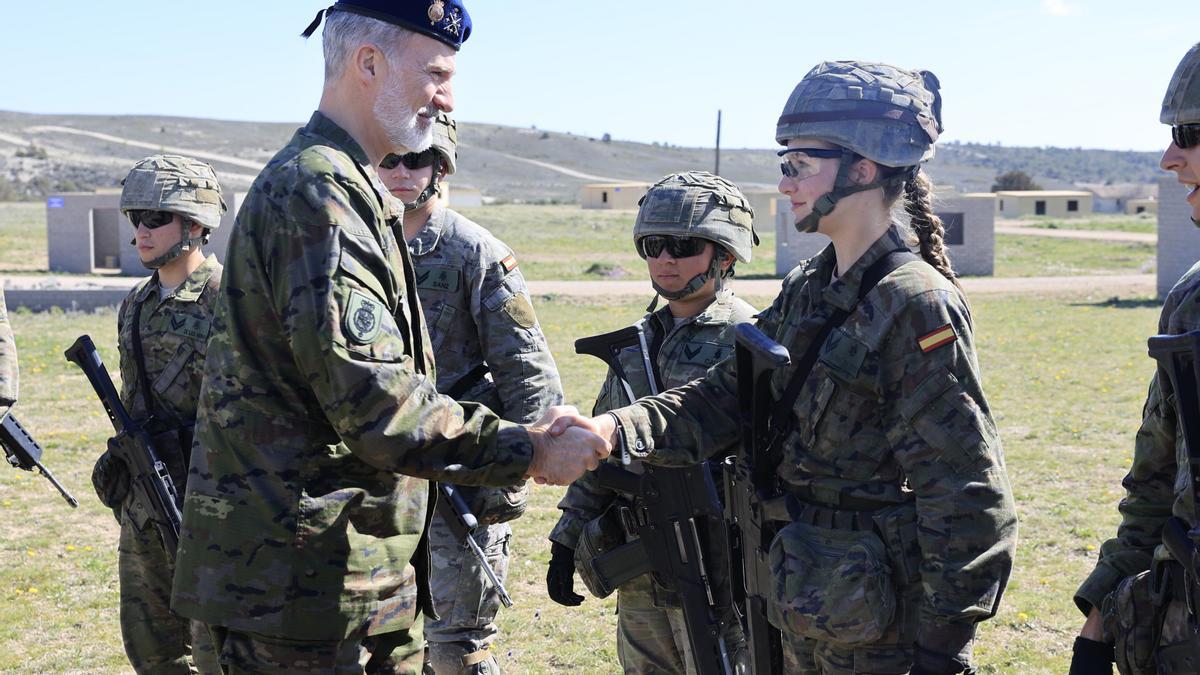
column 918, row 204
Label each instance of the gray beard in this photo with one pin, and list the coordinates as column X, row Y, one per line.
column 400, row 122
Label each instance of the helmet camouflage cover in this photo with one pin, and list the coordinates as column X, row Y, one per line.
column 1181, row 105
column 887, row 114
column 177, row 184
column 445, row 141
column 698, row 204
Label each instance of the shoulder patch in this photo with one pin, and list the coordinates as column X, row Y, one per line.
column 937, row 338
column 520, row 310
column 509, row 263
column 364, row 318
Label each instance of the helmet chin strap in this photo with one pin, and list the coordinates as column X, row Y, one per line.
column 696, row 283
column 185, row 244
column 430, row 189
column 843, row 187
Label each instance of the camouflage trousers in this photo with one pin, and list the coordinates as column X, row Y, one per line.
column 1148, row 622
column 242, row 653
column 891, row 654
column 460, row 640
column 654, row 639
column 156, row 639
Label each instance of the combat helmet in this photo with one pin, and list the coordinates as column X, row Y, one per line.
column 698, row 204
column 445, row 144
column 889, row 115
column 1181, row 105
column 180, row 185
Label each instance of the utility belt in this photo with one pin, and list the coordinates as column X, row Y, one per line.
column 849, row 513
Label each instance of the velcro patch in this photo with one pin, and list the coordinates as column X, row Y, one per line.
column 363, row 319
column 193, row 327
column 520, row 310
column 701, row 353
column 937, row 338
column 509, row 262
column 438, row 279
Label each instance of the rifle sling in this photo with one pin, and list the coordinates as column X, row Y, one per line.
column 463, row 384
column 139, row 362
column 889, row 263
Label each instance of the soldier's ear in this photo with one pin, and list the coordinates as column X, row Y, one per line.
column 864, row 171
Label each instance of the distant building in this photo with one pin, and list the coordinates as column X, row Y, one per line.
column 86, row 233
column 461, row 197
column 1136, row 206
column 612, row 195
column 1053, row 203
column 970, row 239
column 1116, row 198
column 763, row 200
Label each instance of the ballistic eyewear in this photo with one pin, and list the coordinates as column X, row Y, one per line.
column 651, row 246
column 798, row 163
column 1186, row 135
column 411, row 161
column 151, row 219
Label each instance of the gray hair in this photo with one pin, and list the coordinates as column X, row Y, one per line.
column 345, row 32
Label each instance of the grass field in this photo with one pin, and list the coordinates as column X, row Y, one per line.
column 1065, row 377
column 1145, row 223
column 567, row 242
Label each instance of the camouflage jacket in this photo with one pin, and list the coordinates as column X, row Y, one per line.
column 319, row 420
column 690, row 347
column 174, row 332
column 478, row 310
column 487, row 344
column 892, row 412
column 1156, row 485
column 8, row 361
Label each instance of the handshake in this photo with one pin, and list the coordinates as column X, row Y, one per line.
column 567, row 444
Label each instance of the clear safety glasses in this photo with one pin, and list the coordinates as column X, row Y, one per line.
column 801, row 163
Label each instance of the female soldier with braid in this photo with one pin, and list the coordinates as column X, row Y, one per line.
column 901, row 528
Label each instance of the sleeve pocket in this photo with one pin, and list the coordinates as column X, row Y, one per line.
column 947, row 419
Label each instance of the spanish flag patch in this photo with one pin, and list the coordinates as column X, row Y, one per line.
column 509, row 263
column 942, row 336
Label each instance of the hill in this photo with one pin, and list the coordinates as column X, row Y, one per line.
column 42, row 154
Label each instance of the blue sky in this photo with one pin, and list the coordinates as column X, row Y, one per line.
column 1072, row 73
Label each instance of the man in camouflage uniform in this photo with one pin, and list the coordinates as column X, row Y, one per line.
column 162, row 330
column 320, row 421
column 488, row 348
column 1133, row 597
column 9, row 374
column 901, row 526
column 693, row 332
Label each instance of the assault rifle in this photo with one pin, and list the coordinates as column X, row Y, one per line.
column 750, row 491
column 23, row 452
column 677, row 520
column 1179, row 356
column 150, row 483
column 463, row 524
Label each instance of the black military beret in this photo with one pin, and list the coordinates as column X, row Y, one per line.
column 443, row 20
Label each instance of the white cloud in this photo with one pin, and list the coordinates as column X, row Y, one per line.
column 1059, row 8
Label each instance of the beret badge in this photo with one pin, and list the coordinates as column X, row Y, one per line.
column 437, row 11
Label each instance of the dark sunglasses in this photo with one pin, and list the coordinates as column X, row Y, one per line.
column 652, row 246
column 411, row 161
column 1186, row 135
column 151, row 219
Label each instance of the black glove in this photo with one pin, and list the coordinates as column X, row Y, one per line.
column 927, row 662
column 1091, row 657
column 560, row 576
column 110, row 477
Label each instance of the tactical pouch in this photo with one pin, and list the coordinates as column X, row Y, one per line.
column 897, row 526
column 1133, row 622
column 500, row 505
column 598, row 537
column 830, row 585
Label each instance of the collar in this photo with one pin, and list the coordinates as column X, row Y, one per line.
column 320, row 125
column 717, row 312
column 843, row 293
column 189, row 290
column 430, row 235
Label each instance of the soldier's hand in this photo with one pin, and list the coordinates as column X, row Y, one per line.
column 603, row 425
column 561, row 459
column 110, row 478
column 560, row 576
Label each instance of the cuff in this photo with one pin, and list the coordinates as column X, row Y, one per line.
column 1102, row 581
column 514, row 452
column 951, row 639
column 567, row 531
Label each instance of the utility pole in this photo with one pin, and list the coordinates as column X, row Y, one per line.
column 717, row 169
